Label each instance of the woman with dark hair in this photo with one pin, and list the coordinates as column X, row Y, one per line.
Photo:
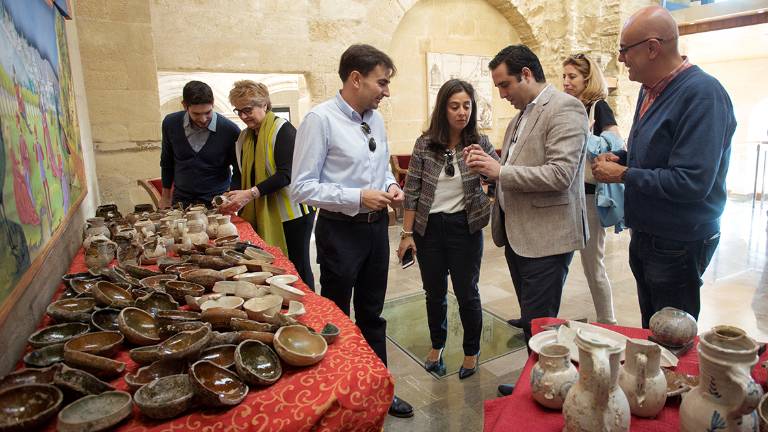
column 445, row 212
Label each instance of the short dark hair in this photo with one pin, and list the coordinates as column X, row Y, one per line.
column 516, row 57
column 197, row 93
column 363, row 58
column 439, row 129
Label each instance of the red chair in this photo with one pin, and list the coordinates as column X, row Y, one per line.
column 154, row 188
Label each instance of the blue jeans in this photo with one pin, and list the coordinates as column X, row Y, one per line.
column 668, row 272
column 447, row 247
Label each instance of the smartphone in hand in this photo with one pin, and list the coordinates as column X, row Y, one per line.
column 408, row 258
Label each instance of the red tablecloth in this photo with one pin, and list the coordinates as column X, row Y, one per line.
column 349, row 390
column 519, row 412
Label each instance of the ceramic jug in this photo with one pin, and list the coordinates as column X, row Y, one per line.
column 196, row 233
column 89, row 239
column 99, row 254
column 198, row 215
column 641, row 378
column 225, row 228
column 595, row 402
column 186, row 240
column 108, row 212
column 673, row 327
column 179, row 228
column 213, row 224
column 95, row 226
column 552, row 376
column 726, row 397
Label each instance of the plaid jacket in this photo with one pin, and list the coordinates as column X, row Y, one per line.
column 420, row 184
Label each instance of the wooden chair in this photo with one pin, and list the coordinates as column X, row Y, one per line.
column 154, row 188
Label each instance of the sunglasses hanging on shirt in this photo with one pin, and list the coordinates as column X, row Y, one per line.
column 367, row 131
column 449, row 170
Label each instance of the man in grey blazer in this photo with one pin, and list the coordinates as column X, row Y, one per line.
column 539, row 213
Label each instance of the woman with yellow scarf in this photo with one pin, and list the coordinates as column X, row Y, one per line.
column 265, row 154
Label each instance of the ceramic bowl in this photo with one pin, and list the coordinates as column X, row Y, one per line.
column 234, row 257
column 71, row 310
column 157, row 282
column 173, row 328
column 259, row 307
column 147, row 374
column 221, row 355
column 176, row 316
column 146, row 354
column 28, row 407
column 223, row 338
column 29, row 376
column 298, row 347
column 216, row 386
column 220, row 318
column 108, row 294
column 295, row 309
column 273, row 269
column 185, row 345
column 258, row 278
column 138, row 272
column 95, row 412
column 210, row 262
column 101, row 367
column 286, row 279
column 103, row 343
column 204, row 277
column 165, row 397
column 232, row 287
column 138, row 326
column 156, row 301
column 164, row 262
column 81, row 286
column 79, row 383
column 178, row 269
column 226, row 240
column 231, row 272
column 195, row 302
column 45, row 356
column 56, row 334
column 180, row 289
column 259, row 254
column 287, row 292
column 216, row 250
column 226, row 302
column 330, row 332
column 264, row 337
column 105, row 319
column 673, row 327
column 257, row 363
column 250, row 325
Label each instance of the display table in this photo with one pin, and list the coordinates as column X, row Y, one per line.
column 350, row 389
column 519, row 412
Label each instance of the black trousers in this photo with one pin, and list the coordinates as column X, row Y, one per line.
column 447, row 247
column 668, row 272
column 538, row 284
column 354, row 258
column 297, row 233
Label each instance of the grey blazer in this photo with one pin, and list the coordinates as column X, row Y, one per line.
column 543, row 180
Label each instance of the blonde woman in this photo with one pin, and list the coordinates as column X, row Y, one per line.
column 583, row 79
column 265, row 156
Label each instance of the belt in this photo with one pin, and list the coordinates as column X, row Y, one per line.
column 370, row 217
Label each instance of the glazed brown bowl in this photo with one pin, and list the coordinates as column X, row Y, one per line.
column 45, row 356
column 204, row 277
column 165, row 397
column 147, row 374
column 146, row 354
column 178, row 269
column 234, row 257
column 104, row 343
column 180, row 289
column 257, row 363
column 29, row 376
column 58, row 333
column 164, row 317
column 71, row 310
column 185, row 345
column 78, row 383
column 81, row 286
column 139, row 272
column 216, row 386
column 164, row 262
column 108, row 294
column 174, row 328
column 28, row 407
column 297, row 346
column 220, row 318
column 210, row 262
column 221, row 355
column 156, row 301
column 95, row 412
column 157, row 282
column 251, row 325
column 101, row 367
column 105, row 319
column 138, row 326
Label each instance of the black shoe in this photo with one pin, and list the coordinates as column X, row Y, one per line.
column 400, row 408
column 438, row 366
column 515, row 322
column 506, row 389
column 466, row 373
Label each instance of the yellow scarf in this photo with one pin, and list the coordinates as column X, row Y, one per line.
column 263, row 213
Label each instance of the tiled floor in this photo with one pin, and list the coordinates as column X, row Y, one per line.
column 734, row 292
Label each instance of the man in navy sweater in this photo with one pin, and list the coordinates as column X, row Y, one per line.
column 198, row 158
column 674, row 171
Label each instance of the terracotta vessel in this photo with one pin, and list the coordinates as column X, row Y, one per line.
column 257, row 363
column 246, row 324
column 221, row 355
column 552, row 376
column 225, row 227
column 103, row 343
column 138, row 326
column 726, row 396
column 673, row 327
column 213, row 226
column 216, row 386
column 261, row 336
column 231, row 272
column 99, row 253
column 156, row 301
column 256, row 278
column 157, row 282
column 595, row 402
column 108, row 294
column 164, row 317
column 185, row 345
column 226, row 302
column 196, row 233
column 298, row 347
column 641, row 378
column 28, row 407
column 286, row 279
column 259, row 254
column 210, row 262
column 95, row 412
column 165, row 397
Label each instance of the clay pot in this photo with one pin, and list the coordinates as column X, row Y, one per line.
column 138, row 271
column 298, row 347
column 104, row 343
column 108, row 294
column 196, row 233
column 259, row 254
column 105, row 319
column 95, row 412
column 552, row 376
column 164, row 262
column 28, row 407
column 56, row 334
column 108, row 212
column 220, row 317
column 96, row 226
column 236, row 288
column 185, row 345
column 285, row 279
column 287, row 292
column 257, row 363
column 216, row 386
column 159, row 369
column 29, row 376
column 204, row 277
column 330, row 332
column 221, row 355
column 100, row 253
column 259, row 307
column 155, row 302
column 99, row 366
column 45, row 356
column 165, row 397
column 88, row 240
column 79, row 383
column 673, row 327
column 138, row 326
column 641, row 378
column 71, row 310
column 256, row 278
column 226, row 228
column 213, row 226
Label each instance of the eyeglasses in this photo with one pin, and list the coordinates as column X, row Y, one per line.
column 623, row 50
column 247, row 110
column 367, row 131
column 449, row 170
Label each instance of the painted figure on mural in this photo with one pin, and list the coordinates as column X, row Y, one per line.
column 43, row 176
column 14, row 260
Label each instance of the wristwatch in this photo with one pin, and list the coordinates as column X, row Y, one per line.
column 623, row 175
column 254, row 191
column 405, row 234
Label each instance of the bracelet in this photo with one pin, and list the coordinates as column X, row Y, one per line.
column 403, row 231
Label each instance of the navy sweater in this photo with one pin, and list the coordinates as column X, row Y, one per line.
column 678, row 159
column 198, row 177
